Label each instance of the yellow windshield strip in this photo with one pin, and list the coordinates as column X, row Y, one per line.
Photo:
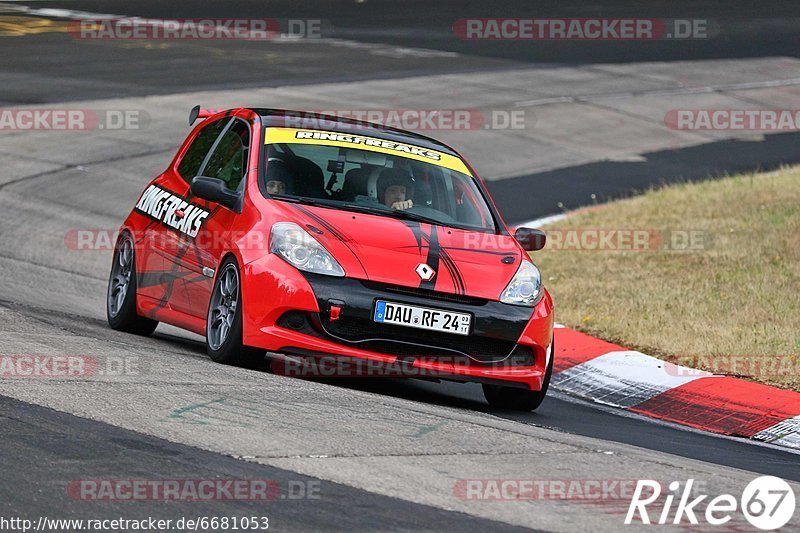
column 361, row 142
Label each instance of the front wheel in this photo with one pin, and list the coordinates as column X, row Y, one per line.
column 224, row 320
column 121, row 294
column 515, row 399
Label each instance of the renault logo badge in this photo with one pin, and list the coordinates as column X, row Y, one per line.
column 425, row 272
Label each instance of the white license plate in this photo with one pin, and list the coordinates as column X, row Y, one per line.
column 422, row 317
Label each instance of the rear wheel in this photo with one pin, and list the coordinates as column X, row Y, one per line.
column 121, row 294
column 503, row 397
column 224, row 320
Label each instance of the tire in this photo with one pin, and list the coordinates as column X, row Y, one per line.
column 516, row 399
column 121, row 292
column 224, row 321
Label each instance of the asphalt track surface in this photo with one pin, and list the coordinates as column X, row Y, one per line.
column 387, row 453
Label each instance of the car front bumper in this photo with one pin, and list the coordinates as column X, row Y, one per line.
column 290, row 312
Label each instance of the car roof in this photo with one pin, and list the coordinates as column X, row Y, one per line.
column 277, row 118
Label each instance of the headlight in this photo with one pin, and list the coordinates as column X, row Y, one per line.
column 301, row 250
column 525, row 287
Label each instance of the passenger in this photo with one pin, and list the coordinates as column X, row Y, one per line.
column 423, row 194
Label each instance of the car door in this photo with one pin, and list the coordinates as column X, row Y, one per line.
column 171, row 239
column 227, row 161
column 156, row 270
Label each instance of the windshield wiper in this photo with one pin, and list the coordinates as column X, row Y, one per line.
column 415, row 217
column 367, row 209
column 397, row 213
column 305, row 201
column 332, row 204
column 407, row 215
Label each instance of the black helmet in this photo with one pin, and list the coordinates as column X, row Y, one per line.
column 394, row 176
column 278, row 170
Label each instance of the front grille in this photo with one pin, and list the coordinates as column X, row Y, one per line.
column 424, row 293
column 398, row 340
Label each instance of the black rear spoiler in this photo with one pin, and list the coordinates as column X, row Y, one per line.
column 198, row 112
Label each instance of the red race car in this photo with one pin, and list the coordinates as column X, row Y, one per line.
column 321, row 238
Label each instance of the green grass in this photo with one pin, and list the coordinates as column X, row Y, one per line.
column 732, row 305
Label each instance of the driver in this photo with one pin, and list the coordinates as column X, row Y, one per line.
column 395, row 188
column 278, row 176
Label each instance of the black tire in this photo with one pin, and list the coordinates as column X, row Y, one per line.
column 517, row 399
column 228, row 349
column 121, row 292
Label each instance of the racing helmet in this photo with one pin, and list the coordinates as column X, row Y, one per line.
column 278, row 170
column 394, row 176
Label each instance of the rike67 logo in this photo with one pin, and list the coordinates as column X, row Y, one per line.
column 767, row 503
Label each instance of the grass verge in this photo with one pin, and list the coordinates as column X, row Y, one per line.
column 704, row 274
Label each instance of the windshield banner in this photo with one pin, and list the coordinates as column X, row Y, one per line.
column 361, row 142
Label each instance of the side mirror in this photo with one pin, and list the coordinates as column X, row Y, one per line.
column 531, row 239
column 214, row 190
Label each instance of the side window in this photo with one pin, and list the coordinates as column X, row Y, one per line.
column 229, row 160
column 189, row 166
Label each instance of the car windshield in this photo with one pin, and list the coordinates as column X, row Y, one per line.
column 385, row 178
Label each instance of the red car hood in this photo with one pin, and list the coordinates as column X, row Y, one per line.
column 390, row 250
